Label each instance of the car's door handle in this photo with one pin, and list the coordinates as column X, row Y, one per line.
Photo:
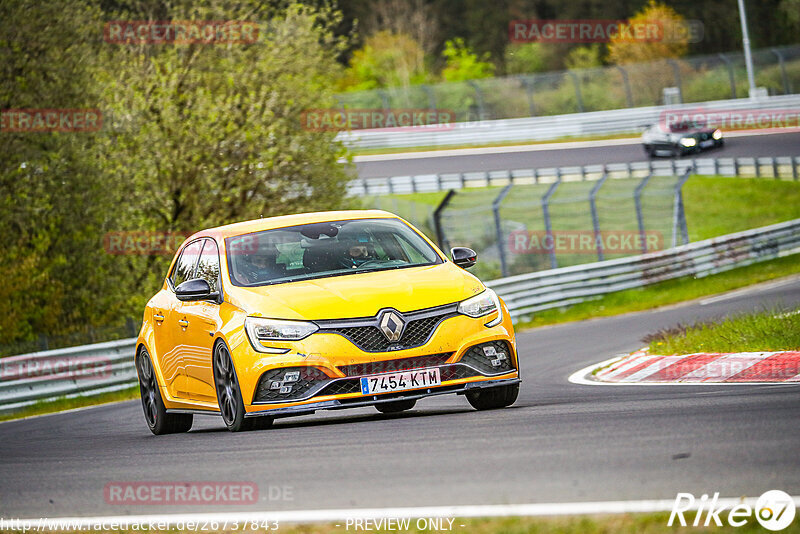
column 183, row 322
column 158, row 317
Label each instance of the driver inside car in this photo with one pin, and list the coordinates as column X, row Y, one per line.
column 261, row 266
column 357, row 251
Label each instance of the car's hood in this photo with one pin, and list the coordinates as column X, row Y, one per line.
column 359, row 295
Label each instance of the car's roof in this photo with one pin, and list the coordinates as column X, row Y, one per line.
column 257, row 225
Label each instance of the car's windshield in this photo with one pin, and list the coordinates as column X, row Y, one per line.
column 325, row 249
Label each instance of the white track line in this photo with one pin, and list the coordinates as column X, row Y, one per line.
column 747, row 290
column 567, row 145
column 331, row 516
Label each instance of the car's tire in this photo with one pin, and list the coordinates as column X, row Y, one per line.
column 396, row 406
column 493, row 398
column 155, row 413
column 649, row 151
column 229, row 394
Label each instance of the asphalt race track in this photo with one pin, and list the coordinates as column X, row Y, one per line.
column 560, row 442
column 777, row 144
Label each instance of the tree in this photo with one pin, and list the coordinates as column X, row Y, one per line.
column 463, row 64
column 584, row 57
column 53, row 198
column 194, row 135
column 623, row 50
column 386, row 60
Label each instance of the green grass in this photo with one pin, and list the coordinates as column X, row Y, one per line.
column 769, row 330
column 59, row 405
column 718, row 206
column 666, row 293
column 653, row 523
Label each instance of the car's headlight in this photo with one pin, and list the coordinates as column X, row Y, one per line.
column 717, row 134
column 260, row 329
column 482, row 304
column 688, row 141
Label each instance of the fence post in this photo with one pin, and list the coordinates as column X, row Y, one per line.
column 479, row 96
column 627, row 84
column 437, row 218
column 577, row 84
column 775, row 168
column 431, row 96
column 678, row 214
column 598, row 240
column 731, row 77
column 42, row 342
column 130, row 324
column 757, row 165
column 548, row 225
column 499, row 229
column 528, row 85
column 637, row 199
column 676, row 69
column 786, row 88
column 384, row 98
column 794, row 168
column 736, row 166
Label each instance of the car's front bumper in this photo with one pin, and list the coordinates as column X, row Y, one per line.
column 334, row 360
column 372, row 400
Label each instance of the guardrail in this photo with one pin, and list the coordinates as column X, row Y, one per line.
column 609, row 122
column 782, row 167
column 71, row 372
column 528, row 293
column 104, row 367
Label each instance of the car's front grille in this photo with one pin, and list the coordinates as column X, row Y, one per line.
column 400, row 364
column 490, row 358
column 341, row 387
column 456, row 372
column 366, row 334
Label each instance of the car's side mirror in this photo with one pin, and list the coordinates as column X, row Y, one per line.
column 195, row 289
column 463, row 257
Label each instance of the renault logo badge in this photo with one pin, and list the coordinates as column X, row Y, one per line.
column 392, row 325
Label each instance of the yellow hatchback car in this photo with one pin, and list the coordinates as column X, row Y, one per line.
column 288, row 315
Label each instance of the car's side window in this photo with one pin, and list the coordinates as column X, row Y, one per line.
column 185, row 266
column 208, row 267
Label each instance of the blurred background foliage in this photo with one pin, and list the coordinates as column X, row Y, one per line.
column 201, row 135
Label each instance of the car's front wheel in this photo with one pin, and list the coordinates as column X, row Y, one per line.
column 492, row 398
column 155, row 413
column 229, row 395
column 396, row 406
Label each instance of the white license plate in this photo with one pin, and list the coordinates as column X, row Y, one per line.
column 400, row 381
column 708, row 143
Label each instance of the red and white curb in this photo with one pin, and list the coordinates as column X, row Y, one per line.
column 700, row 368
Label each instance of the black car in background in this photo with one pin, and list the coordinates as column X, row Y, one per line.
column 680, row 139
